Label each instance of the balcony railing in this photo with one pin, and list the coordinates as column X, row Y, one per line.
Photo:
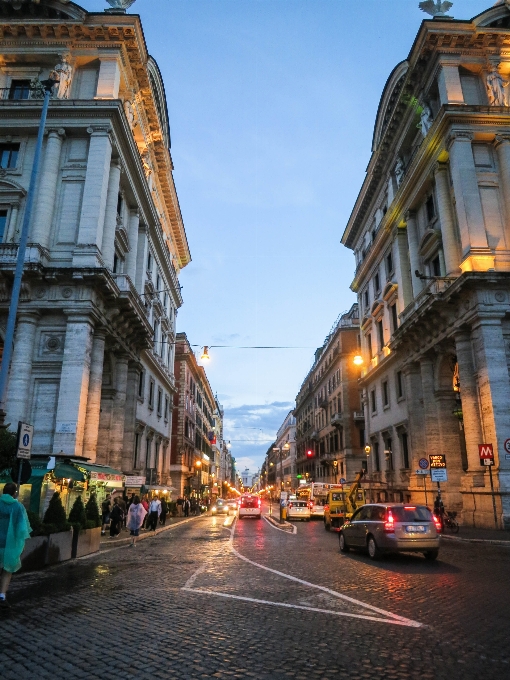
column 336, row 419
column 359, row 415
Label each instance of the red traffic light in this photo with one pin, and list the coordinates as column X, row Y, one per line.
column 309, row 454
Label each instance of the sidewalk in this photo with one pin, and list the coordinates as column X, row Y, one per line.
column 486, row 536
column 124, row 537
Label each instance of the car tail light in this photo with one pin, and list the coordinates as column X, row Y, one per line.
column 437, row 522
column 389, row 525
column 290, row 505
column 259, row 502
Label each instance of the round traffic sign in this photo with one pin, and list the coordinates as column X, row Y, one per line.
column 507, row 445
column 423, row 463
column 343, row 481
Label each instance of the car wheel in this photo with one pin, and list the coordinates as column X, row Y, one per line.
column 373, row 551
column 431, row 554
column 343, row 545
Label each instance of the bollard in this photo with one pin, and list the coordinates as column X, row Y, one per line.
column 284, row 514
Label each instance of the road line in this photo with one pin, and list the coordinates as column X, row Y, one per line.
column 294, row 529
column 395, row 622
column 403, row 619
column 194, row 576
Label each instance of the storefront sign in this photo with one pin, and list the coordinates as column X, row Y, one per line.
column 105, row 477
column 135, row 481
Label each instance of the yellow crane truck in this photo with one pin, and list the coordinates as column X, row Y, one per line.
column 341, row 504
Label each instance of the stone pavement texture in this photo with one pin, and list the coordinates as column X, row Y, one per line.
column 208, row 601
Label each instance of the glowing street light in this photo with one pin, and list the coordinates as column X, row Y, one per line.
column 358, row 360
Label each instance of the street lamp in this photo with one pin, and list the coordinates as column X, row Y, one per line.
column 335, row 469
column 358, row 360
column 368, row 449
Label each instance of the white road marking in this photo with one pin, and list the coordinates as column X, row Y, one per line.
column 294, row 528
column 403, row 620
column 229, row 521
column 394, row 621
column 193, row 577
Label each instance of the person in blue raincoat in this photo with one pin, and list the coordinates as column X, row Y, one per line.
column 14, row 531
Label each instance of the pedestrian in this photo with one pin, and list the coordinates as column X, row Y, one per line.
column 116, row 517
column 186, row 506
column 131, row 500
column 123, row 507
column 154, row 513
column 14, row 531
column 145, row 504
column 164, row 512
column 135, row 518
column 105, row 510
column 180, row 506
column 439, row 510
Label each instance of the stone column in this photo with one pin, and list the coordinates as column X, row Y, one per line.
column 450, row 87
column 134, row 221
column 414, row 257
column 109, row 78
column 110, row 218
column 447, row 221
column 141, row 258
column 469, row 396
column 404, row 265
column 12, row 235
column 90, row 230
column 20, row 374
column 94, row 397
column 118, row 412
column 429, row 405
column 416, row 422
column 74, row 385
column 503, row 150
column 467, row 193
column 47, row 191
column 449, row 434
column 130, row 419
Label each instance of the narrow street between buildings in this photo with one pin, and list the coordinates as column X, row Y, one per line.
column 219, row 597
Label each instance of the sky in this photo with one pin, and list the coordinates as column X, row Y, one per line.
column 272, row 105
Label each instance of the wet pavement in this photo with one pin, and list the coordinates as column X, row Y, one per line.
column 206, row 600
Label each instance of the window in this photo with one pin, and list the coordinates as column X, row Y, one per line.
column 9, row 155
column 380, row 333
column 400, row 385
column 366, row 299
column 140, row 384
column 160, row 401
column 151, row 394
column 386, row 393
column 149, row 262
column 137, row 450
column 119, row 205
column 429, row 205
column 369, row 345
column 166, row 408
column 405, row 449
column 158, row 282
column 435, row 266
column 20, row 89
column 373, row 402
column 394, row 317
column 147, row 452
column 3, row 225
column 156, row 336
column 377, row 284
column 389, row 264
column 388, row 453
column 377, row 461
column 361, row 437
column 156, row 462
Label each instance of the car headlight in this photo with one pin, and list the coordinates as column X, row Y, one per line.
column 214, row 508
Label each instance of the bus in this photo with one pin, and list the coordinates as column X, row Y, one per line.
column 316, row 493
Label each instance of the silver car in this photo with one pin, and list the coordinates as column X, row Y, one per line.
column 392, row 527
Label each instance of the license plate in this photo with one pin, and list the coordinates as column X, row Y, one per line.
column 416, row 529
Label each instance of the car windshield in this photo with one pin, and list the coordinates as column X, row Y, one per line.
column 411, row 513
column 337, row 496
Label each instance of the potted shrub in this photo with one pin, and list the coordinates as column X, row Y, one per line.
column 60, row 543
column 34, row 553
column 86, row 532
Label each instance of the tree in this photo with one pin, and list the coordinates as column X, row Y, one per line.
column 92, row 511
column 77, row 514
column 55, row 514
column 8, row 441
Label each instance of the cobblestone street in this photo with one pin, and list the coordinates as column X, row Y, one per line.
column 251, row 601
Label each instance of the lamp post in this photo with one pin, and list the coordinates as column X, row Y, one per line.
column 18, row 274
column 335, row 469
column 368, row 449
column 280, row 450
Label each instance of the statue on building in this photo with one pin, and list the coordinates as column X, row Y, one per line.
column 120, row 5
column 399, row 171
column 64, row 73
column 426, row 119
column 130, row 113
column 496, row 87
column 435, row 8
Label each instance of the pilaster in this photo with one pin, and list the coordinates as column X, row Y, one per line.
column 110, row 219
column 20, row 374
column 446, row 219
column 134, row 222
column 94, row 396
column 450, row 87
column 46, row 195
column 502, row 145
column 414, row 257
column 118, row 412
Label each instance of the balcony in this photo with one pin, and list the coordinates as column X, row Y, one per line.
column 315, row 435
column 358, row 415
column 336, row 419
column 322, row 403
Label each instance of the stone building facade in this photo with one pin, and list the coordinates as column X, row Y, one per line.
column 93, row 359
column 431, row 235
column 285, row 450
column 329, row 419
column 193, row 429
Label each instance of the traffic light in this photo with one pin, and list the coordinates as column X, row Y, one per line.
column 309, row 453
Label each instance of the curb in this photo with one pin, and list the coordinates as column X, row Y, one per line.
column 283, row 526
column 119, row 542
column 488, row 541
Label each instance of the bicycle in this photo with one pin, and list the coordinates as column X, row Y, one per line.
column 450, row 523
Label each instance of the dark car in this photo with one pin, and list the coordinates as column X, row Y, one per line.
column 392, row 527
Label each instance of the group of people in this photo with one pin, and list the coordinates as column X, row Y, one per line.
column 191, row 506
column 133, row 513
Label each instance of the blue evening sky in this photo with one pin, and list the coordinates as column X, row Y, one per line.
column 272, row 105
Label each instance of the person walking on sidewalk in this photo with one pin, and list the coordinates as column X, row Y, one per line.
column 135, row 517
column 105, row 510
column 186, row 506
column 180, row 506
column 116, row 517
column 154, row 513
column 164, row 512
column 14, row 531
column 145, row 504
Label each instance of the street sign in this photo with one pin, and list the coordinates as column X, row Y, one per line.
column 422, row 472
column 437, row 461
column 134, row 480
column 25, row 434
column 439, row 474
column 423, row 463
column 486, row 451
column 507, row 445
column 488, row 461
column 343, row 481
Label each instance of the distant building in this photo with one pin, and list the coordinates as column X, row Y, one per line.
column 285, row 450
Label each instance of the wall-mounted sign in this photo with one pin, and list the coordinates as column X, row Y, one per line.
column 437, row 461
